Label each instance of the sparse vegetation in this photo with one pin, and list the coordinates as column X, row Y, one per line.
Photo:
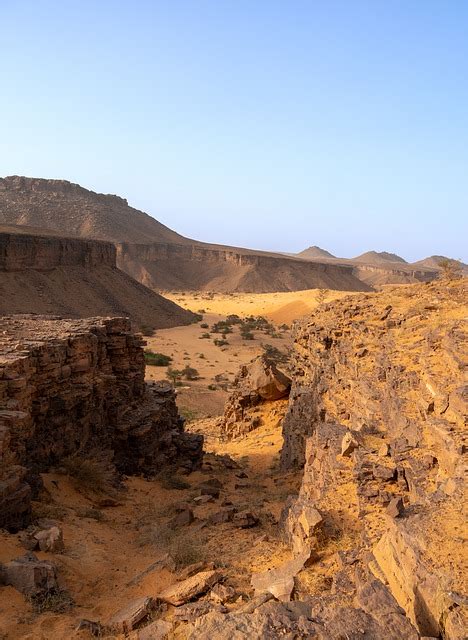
column 247, row 335
column 157, row 359
column 204, row 325
column 450, row 269
column 172, row 481
column 147, row 331
column 212, row 387
column 190, row 373
column 174, row 376
column 273, row 353
column 220, row 342
column 52, row 600
column 92, row 472
column 205, row 336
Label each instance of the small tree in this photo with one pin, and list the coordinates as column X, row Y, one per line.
column 450, row 269
column 174, row 376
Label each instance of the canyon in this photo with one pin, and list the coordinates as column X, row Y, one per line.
column 328, row 501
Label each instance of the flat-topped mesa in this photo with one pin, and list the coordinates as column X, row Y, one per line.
column 21, row 251
column 377, row 418
column 69, row 386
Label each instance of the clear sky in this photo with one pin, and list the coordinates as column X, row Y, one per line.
column 272, row 124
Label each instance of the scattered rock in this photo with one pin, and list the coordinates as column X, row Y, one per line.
column 127, row 618
column 196, row 567
column 348, row 444
column 222, row 593
column 279, row 581
column 183, row 592
column 50, row 540
column 158, row 630
column 223, row 516
column 182, row 519
column 245, row 520
column 29, row 575
column 396, row 507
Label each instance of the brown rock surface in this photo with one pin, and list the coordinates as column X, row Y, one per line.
column 386, row 369
column 196, row 585
column 78, row 385
column 257, row 382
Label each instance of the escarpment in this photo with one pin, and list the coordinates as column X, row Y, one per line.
column 377, row 419
column 152, row 253
column 77, row 387
column 75, row 277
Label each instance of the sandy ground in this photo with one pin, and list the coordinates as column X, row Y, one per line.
column 282, row 307
column 187, row 347
column 107, row 548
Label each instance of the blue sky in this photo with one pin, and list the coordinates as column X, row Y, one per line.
column 261, row 123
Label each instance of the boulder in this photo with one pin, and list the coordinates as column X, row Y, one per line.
column 126, row 619
column 157, row 630
column 192, row 587
column 280, row 581
column 50, row 540
column 29, row 575
column 348, row 444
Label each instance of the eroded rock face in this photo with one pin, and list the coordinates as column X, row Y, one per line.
column 257, row 382
column 377, row 418
column 78, row 385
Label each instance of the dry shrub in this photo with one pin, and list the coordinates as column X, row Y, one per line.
column 54, row 600
column 184, row 547
column 94, row 474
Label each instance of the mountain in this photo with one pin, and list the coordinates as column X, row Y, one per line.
column 378, row 257
column 73, row 277
column 154, row 254
column 433, row 262
column 315, row 252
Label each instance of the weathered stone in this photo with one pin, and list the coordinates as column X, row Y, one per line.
column 348, row 444
column 222, row 593
column 396, row 507
column 50, row 540
column 192, row 587
column 127, row 618
column 280, row 581
column 182, row 519
column 245, row 519
column 158, row 630
column 29, row 575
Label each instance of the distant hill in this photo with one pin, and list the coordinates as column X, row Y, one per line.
column 433, row 262
column 378, row 257
column 154, row 254
column 315, row 252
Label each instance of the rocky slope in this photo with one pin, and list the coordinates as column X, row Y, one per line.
column 377, row 419
column 77, row 387
column 76, row 278
column 153, row 254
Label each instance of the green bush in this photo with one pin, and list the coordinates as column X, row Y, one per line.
column 157, row 359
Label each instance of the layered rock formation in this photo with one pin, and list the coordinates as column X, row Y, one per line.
column 257, row 382
column 377, row 418
column 77, row 278
column 155, row 255
column 69, row 387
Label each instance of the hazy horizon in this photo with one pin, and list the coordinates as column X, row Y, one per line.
column 272, row 127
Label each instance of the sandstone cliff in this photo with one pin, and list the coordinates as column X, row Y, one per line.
column 155, row 255
column 78, row 278
column 70, row 387
column 377, row 419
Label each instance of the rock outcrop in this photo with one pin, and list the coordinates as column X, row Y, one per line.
column 77, row 386
column 155, row 255
column 257, row 382
column 76, row 278
column 377, row 419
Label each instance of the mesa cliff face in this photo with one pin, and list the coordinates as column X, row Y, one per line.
column 227, row 269
column 78, row 386
column 377, row 419
column 76, row 278
column 152, row 253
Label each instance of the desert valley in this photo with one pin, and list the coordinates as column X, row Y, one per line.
column 200, row 441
